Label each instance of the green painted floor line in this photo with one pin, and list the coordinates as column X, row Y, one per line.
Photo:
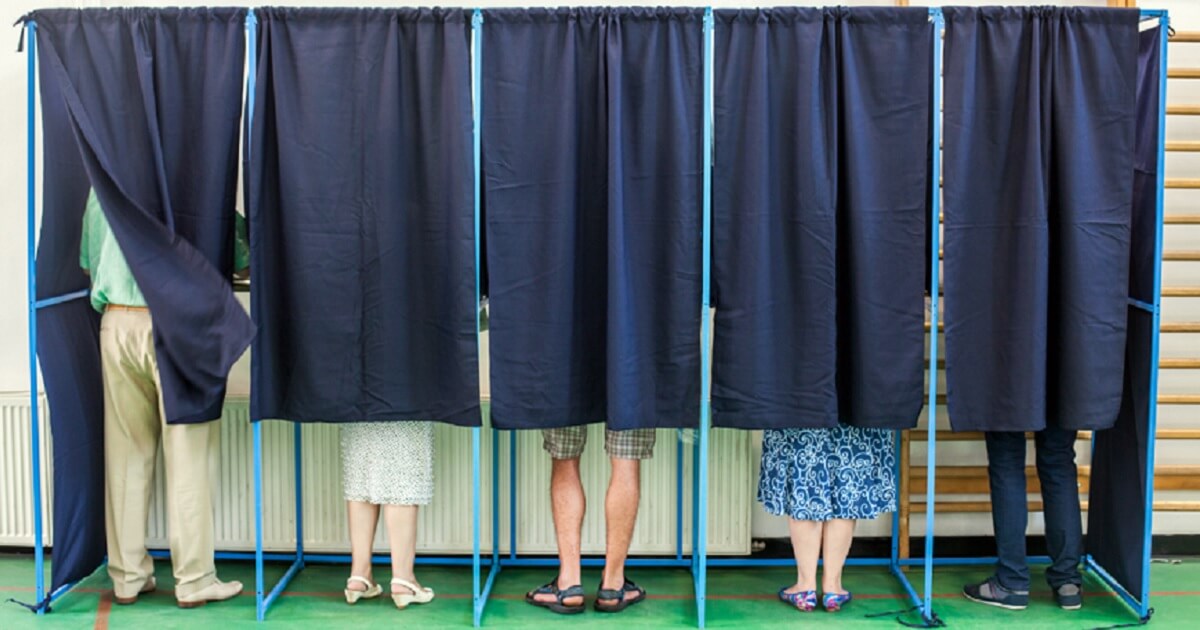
column 738, row 598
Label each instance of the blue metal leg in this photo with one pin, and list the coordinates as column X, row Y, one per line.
column 479, row 600
column 35, row 429
column 512, row 493
column 475, row 524
column 495, row 501
column 926, row 605
column 298, row 451
column 899, row 437
column 258, row 523
column 700, row 542
column 679, row 495
column 1140, row 607
column 907, row 586
column 695, row 558
column 259, row 585
column 496, row 564
column 282, row 585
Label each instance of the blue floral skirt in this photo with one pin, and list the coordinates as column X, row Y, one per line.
column 821, row 474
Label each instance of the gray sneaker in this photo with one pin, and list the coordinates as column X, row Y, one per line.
column 1069, row 597
column 991, row 593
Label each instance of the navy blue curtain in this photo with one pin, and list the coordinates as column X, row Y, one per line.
column 144, row 106
column 1117, row 497
column 1039, row 139
column 69, row 351
column 592, row 166
column 819, row 227
column 153, row 97
column 362, row 217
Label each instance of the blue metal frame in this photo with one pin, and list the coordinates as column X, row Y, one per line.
column 921, row 603
column 700, row 522
column 1139, row 604
column 935, row 212
column 480, row 591
column 300, row 558
column 35, row 420
column 698, row 561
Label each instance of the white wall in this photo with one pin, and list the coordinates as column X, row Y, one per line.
column 1186, row 16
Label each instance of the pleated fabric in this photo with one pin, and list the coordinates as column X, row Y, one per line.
column 592, row 166
column 820, row 189
column 1039, row 138
column 361, row 204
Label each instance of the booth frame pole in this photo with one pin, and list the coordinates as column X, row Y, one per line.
column 935, row 202
column 480, row 590
column 1164, row 22
column 922, row 603
column 700, row 521
column 35, row 435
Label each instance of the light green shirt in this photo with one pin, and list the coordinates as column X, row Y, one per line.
column 101, row 257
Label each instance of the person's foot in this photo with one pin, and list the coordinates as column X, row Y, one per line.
column 1069, row 596
column 802, row 599
column 549, row 597
column 360, row 587
column 557, row 598
column 834, row 602
column 406, row 592
column 148, row 587
column 991, row 593
column 215, row 592
column 618, row 598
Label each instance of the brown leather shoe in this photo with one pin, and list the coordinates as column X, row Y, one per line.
column 215, row 592
column 148, row 587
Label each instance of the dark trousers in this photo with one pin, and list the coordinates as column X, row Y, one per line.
column 1060, row 499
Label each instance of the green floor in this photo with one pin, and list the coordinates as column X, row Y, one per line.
column 738, row 598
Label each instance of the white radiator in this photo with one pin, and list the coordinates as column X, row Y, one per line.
column 445, row 526
column 16, row 474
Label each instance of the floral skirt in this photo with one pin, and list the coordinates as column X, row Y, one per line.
column 843, row 472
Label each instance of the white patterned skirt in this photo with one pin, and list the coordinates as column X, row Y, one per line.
column 388, row 463
column 842, row 472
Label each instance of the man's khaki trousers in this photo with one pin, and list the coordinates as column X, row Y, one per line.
column 133, row 427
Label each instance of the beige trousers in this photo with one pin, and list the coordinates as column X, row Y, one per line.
column 133, row 428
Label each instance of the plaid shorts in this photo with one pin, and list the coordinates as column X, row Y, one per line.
column 568, row 443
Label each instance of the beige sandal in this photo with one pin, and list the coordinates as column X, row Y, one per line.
column 372, row 591
column 422, row 595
